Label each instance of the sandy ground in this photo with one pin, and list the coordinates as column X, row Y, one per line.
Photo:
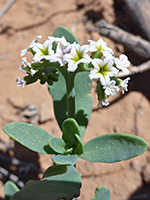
column 130, row 114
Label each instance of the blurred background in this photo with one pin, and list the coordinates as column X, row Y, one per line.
column 125, row 26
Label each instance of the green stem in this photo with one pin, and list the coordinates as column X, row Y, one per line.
column 70, row 94
column 69, row 79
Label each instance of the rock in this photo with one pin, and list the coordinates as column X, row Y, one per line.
column 30, row 114
column 30, row 111
column 139, row 12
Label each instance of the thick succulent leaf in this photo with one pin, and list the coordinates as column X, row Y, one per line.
column 78, row 146
column 70, row 128
column 101, row 193
column 57, row 144
column 61, row 31
column 65, row 159
column 55, row 171
column 59, row 182
column 10, row 189
column 113, row 147
column 83, row 102
column 71, row 135
column 29, row 135
column 58, row 92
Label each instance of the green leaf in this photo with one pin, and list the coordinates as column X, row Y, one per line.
column 29, row 135
column 113, row 147
column 70, row 128
column 77, row 145
column 61, row 31
column 101, row 193
column 30, row 79
column 59, row 182
column 100, row 92
column 55, row 171
column 83, row 102
column 10, row 189
column 65, row 159
column 57, row 144
column 58, row 92
column 71, row 135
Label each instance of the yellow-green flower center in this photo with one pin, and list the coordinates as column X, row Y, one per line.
column 27, row 68
column 99, row 48
column 44, row 51
column 78, row 56
column 103, row 69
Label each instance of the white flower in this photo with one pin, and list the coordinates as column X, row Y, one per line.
column 24, row 51
column 122, row 63
column 43, row 51
column 110, row 88
column 26, row 67
column 77, row 55
column 102, row 103
column 62, row 47
column 20, row 82
column 100, row 46
column 105, row 102
column 103, row 70
column 124, row 85
column 60, row 52
column 62, row 41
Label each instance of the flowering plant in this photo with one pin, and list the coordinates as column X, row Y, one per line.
column 68, row 68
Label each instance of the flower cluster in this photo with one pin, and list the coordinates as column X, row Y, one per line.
column 95, row 57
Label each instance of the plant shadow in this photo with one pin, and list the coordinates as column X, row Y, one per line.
column 94, row 16
column 142, row 193
column 19, row 165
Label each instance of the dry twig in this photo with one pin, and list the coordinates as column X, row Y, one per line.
column 136, row 69
column 6, row 8
column 103, row 173
column 139, row 12
column 132, row 42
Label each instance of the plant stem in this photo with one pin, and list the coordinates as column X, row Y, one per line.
column 69, row 79
column 70, row 94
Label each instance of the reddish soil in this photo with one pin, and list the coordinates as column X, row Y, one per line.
column 128, row 114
